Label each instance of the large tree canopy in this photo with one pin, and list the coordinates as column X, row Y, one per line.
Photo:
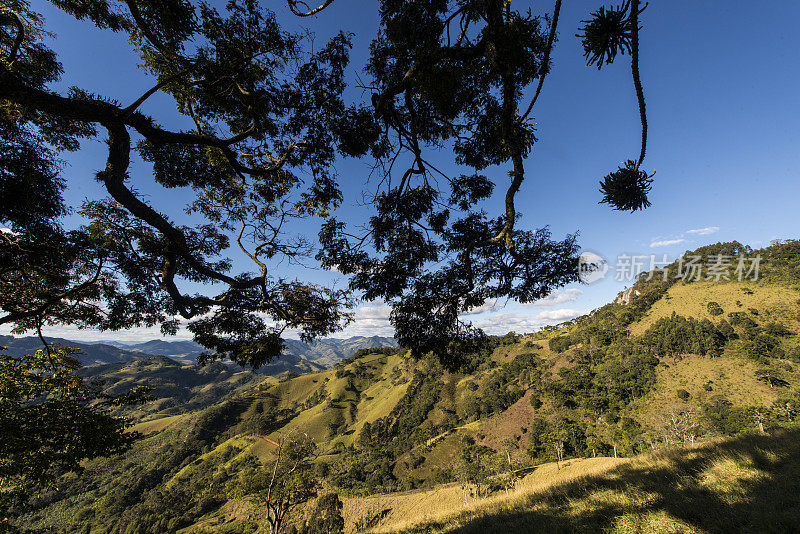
column 270, row 123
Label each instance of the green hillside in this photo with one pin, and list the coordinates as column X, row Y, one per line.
column 176, row 388
column 682, row 400
column 88, row 354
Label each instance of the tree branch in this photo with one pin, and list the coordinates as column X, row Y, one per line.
column 545, row 62
column 637, row 82
column 9, row 18
column 293, row 7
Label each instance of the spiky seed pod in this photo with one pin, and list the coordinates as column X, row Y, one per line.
column 607, row 33
column 626, row 188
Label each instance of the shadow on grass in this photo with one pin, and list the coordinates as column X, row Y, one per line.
column 748, row 484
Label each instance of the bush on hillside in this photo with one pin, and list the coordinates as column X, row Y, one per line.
column 777, row 330
column 763, row 346
column 678, row 335
column 559, row 344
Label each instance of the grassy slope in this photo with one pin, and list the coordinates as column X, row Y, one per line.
column 585, row 495
column 778, row 302
column 177, row 388
column 748, row 484
column 731, row 375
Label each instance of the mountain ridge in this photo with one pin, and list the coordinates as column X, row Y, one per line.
column 325, row 352
column 680, row 364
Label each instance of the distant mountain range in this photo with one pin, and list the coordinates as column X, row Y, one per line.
column 321, row 353
column 330, row 351
column 90, row 353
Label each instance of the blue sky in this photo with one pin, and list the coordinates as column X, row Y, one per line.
column 722, row 99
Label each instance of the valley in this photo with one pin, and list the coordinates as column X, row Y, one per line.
column 676, row 411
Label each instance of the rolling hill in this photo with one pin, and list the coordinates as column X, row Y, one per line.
column 330, row 351
column 179, row 388
column 325, row 352
column 674, row 410
column 322, row 352
column 90, row 353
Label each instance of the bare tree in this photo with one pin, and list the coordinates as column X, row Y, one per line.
column 282, row 485
column 558, row 447
column 680, row 427
column 759, row 416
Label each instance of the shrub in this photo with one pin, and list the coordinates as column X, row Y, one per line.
column 723, row 417
column 778, row 330
column 714, row 308
column 683, row 395
column 559, row 344
column 763, row 345
column 726, row 329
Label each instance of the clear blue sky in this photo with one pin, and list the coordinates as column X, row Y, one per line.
column 721, row 82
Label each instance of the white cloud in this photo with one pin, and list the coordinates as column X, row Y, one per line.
column 502, row 323
column 564, row 314
column 369, row 320
column 667, row 243
column 134, row 335
column 559, row 297
column 708, row 230
column 372, row 320
column 485, row 307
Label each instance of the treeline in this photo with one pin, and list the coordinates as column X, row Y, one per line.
column 677, row 335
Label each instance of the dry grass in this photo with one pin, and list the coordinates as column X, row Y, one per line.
column 748, row 484
column 730, row 376
column 156, row 425
column 409, row 509
column 691, row 300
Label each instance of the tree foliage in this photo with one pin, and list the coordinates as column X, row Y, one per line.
column 50, row 421
column 270, row 120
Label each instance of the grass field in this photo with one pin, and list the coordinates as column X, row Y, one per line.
column 156, row 425
column 747, row 484
column 704, row 378
column 776, row 302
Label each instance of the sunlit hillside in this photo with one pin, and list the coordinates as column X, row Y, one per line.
column 745, row 484
column 668, row 413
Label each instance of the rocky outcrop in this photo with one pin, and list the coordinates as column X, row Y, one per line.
column 626, row 296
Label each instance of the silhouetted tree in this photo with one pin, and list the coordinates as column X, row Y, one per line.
column 269, row 122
